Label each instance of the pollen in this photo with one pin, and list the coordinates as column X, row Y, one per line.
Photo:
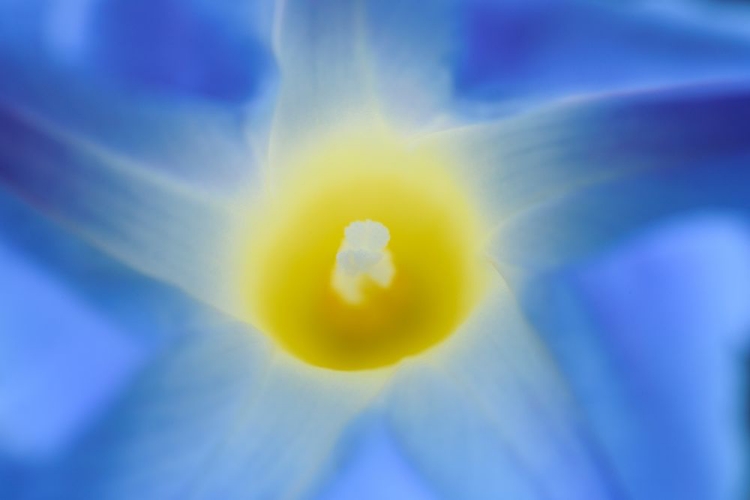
column 362, row 257
column 366, row 253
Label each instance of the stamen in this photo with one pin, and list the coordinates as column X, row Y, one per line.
column 362, row 256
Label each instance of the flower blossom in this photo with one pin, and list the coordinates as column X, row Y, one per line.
column 236, row 236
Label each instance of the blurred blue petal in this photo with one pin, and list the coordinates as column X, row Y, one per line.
column 157, row 104
column 78, row 327
column 728, row 15
column 325, row 87
column 489, row 416
column 649, row 337
column 210, row 50
column 177, row 47
column 180, row 404
column 153, row 223
column 149, row 310
column 206, row 418
column 410, row 46
column 281, row 442
column 435, row 63
column 519, row 50
column 180, row 113
column 61, row 361
column 568, row 181
column 374, row 469
column 216, row 417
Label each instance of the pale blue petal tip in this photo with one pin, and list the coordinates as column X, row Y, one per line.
column 651, row 338
column 373, row 468
column 76, row 328
column 61, row 362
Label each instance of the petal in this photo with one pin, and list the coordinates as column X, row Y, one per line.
column 210, row 50
column 75, row 329
column 729, row 16
column 103, row 283
column 375, row 469
column 489, row 416
column 61, row 361
column 565, row 181
column 410, row 46
column 285, row 440
column 215, row 418
column 154, row 224
column 517, row 52
column 654, row 156
column 175, row 129
column 436, row 63
column 320, row 49
column 649, row 336
column 347, row 63
column 207, row 419
column 170, row 421
column 194, row 48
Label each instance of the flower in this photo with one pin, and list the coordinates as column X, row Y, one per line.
column 204, row 199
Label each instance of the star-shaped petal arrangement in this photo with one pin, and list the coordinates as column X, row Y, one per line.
column 399, row 210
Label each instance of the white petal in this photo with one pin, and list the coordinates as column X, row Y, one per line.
column 411, row 47
column 320, row 49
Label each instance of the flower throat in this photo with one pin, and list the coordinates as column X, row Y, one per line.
column 368, row 253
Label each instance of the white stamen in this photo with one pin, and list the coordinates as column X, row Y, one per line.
column 362, row 255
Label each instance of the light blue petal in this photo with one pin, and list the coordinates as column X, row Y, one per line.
column 195, row 48
column 435, row 63
column 153, row 223
column 101, row 99
column 578, row 180
column 216, row 418
column 61, row 361
column 205, row 420
column 575, row 177
column 140, row 304
column 161, row 437
column 348, row 62
column 284, row 439
column 410, row 47
column 374, row 468
column 490, row 417
column 514, row 52
column 76, row 327
column 320, row 47
column 649, row 336
column 728, row 16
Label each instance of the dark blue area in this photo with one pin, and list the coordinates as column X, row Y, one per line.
column 537, row 49
column 22, row 148
column 681, row 128
column 171, row 46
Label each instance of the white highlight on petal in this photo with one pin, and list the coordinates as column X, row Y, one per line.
column 363, row 255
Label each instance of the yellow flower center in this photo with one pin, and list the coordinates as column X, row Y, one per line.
column 369, row 252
